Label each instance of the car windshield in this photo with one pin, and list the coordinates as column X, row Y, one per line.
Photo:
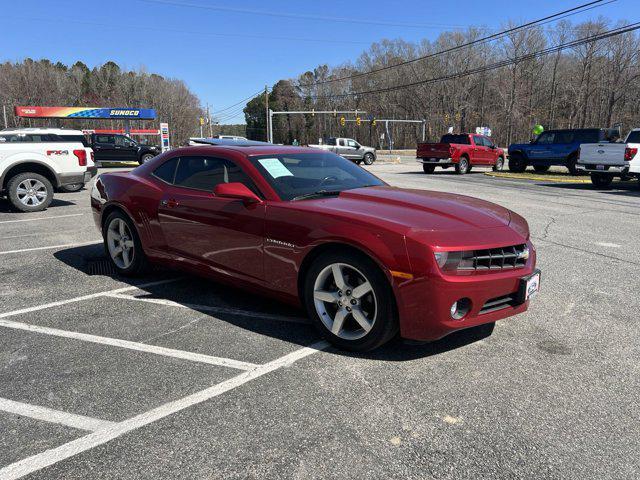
column 634, row 137
column 301, row 175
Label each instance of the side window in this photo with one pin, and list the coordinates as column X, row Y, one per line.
column 104, row 139
column 351, row 143
column 563, row 137
column 204, row 173
column 122, row 141
column 545, row 138
column 341, row 142
column 487, row 142
column 477, row 139
column 331, row 141
column 167, row 170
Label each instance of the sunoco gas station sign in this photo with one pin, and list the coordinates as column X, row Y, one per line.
column 86, row 112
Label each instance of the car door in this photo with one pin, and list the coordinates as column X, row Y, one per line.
column 126, row 148
column 342, row 148
column 352, row 150
column 492, row 151
column 542, row 148
column 479, row 156
column 222, row 233
column 104, row 148
column 563, row 146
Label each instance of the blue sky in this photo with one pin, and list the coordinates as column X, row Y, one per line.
column 227, row 52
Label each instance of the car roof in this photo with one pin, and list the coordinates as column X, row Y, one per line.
column 60, row 131
column 260, row 148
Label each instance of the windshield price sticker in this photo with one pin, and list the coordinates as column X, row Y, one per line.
column 275, row 168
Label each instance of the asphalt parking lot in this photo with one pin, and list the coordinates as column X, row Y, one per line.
column 178, row 377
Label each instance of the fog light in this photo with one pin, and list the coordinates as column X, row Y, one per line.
column 460, row 308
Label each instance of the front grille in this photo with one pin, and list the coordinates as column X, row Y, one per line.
column 498, row 303
column 496, row 258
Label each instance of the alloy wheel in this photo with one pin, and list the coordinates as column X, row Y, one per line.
column 120, row 243
column 31, row 192
column 345, row 301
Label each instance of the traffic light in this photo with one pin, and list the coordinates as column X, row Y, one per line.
column 201, row 121
column 343, row 121
column 373, row 122
column 358, row 121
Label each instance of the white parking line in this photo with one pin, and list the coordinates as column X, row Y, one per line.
column 50, row 457
column 51, row 247
column 86, row 297
column 140, row 347
column 212, row 309
column 53, row 416
column 43, row 218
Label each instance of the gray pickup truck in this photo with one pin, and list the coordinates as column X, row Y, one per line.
column 349, row 149
column 606, row 160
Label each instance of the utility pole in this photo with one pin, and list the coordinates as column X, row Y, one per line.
column 266, row 113
column 4, row 113
column 209, row 119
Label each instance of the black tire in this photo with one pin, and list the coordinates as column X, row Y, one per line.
column 15, row 197
column 571, row 165
column 145, row 158
column 428, row 168
column 499, row 165
column 517, row 164
column 541, row 168
column 368, row 159
column 139, row 263
column 463, row 166
column 385, row 321
column 74, row 187
column 601, row 180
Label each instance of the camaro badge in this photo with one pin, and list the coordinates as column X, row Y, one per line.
column 280, row 242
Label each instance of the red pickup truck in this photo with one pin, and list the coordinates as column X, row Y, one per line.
column 462, row 150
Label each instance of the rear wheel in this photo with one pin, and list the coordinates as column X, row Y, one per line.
column 122, row 244
column 145, row 158
column 463, row 166
column 350, row 301
column 428, row 168
column 517, row 164
column 368, row 158
column 601, row 180
column 74, row 187
column 571, row 165
column 30, row 192
column 541, row 168
column 499, row 165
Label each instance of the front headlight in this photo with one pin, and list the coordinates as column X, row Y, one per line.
column 455, row 260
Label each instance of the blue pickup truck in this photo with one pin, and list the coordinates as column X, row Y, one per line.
column 555, row 147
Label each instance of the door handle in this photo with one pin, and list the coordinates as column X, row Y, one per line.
column 171, row 203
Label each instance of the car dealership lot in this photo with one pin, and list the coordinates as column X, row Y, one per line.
column 176, row 377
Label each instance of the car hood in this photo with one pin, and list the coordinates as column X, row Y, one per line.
column 416, row 210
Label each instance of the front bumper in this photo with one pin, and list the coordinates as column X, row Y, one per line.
column 424, row 303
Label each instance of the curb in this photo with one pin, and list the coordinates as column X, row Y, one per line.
column 518, row 176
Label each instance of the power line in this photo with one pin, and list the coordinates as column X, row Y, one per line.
column 241, row 101
column 556, row 48
column 298, row 15
column 541, row 21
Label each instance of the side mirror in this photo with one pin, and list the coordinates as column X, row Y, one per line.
column 236, row 190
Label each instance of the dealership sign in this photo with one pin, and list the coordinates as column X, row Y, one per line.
column 86, row 112
column 164, row 136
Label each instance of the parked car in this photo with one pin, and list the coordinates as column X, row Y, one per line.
column 462, row 151
column 110, row 147
column 36, row 161
column 555, row 147
column 349, row 149
column 311, row 228
column 604, row 161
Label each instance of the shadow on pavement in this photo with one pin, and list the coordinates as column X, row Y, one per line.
column 617, row 188
column 253, row 312
column 6, row 207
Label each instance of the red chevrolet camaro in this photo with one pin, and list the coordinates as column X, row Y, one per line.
column 308, row 227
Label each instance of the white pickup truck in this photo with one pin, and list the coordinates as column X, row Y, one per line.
column 34, row 162
column 604, row 161
column 349, row 149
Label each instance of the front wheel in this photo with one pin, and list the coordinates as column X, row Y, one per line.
column 428, row 168
column 499, row 165
column 30, row 192
column 462, row 166
column 350, row 301
column 517, row 164
column 601, row 180
column 368, row 158
column 123, row 246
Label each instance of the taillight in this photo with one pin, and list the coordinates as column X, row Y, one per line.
column 82, row 157
column 629, row 153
